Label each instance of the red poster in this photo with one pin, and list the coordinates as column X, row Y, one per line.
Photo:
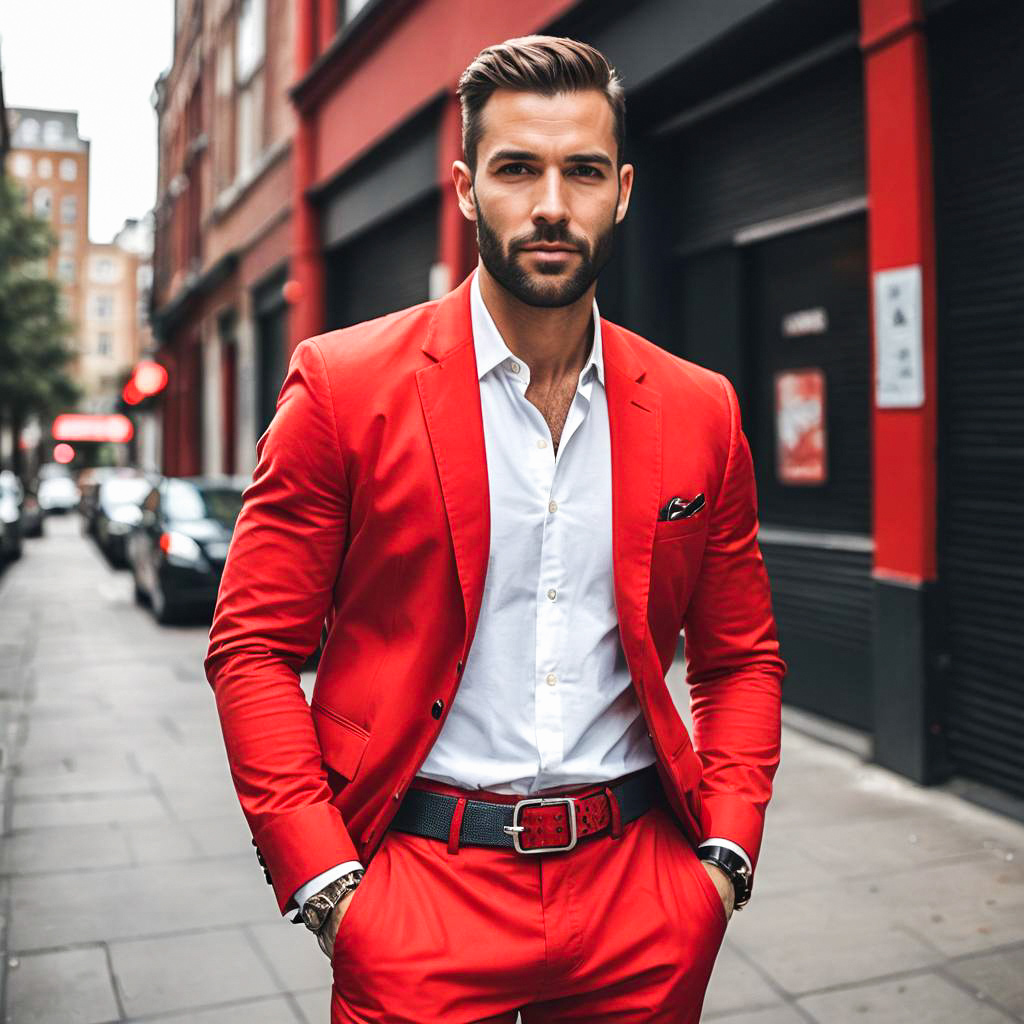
column 800, row 441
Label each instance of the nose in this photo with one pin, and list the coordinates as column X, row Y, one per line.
column 550, row 206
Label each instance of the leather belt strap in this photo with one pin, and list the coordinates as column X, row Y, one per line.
column 541, row 827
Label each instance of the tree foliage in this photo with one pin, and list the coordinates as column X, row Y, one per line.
column 34, row 351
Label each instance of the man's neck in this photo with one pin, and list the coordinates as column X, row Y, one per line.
column 554, row 343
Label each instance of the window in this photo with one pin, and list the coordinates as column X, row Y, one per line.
column 105, row 343
column 103, row 306
column 45, row 168
column 249, row 127
column 66, row 270
column 21, row 165
column 28, row 130
column 64, row 305
column 252, row 38
column 69, row 210
column 103, row 268
column 42, row 203
column 249, row 51
column 53, row 132
column 68, row 169
column 68, row 240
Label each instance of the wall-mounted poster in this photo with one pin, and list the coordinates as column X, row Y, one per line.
column 800, row 441
column 899, row 353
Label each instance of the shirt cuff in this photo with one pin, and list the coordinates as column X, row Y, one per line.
column 729, row 845
column 314, row 885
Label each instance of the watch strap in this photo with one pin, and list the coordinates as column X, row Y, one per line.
column 735, row 867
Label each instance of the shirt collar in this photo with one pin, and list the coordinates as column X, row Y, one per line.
column 491, row 349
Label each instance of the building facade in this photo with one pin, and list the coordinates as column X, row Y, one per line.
column 222, row 225
column 827, row 210
column 49, row 160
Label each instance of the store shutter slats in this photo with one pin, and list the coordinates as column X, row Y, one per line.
column 976, row 52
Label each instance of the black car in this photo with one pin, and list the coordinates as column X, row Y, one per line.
column 11, row 496
column 177, row 550
column 118, row 509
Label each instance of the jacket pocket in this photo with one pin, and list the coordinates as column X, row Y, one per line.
column 342, row 742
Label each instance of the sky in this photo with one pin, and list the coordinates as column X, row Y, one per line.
column 101, row 58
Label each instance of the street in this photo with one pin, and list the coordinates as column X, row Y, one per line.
column 130, row 891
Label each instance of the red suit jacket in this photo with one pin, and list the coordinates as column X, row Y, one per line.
column 369, row 508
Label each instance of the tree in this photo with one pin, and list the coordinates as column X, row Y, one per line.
column 34, row 352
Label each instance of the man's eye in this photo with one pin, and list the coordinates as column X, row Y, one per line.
column 510, row 167
column 591, row 172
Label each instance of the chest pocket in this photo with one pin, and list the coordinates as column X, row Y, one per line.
column 675, row 564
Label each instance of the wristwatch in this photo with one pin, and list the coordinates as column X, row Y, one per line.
column 735, row 867
column 317, row 909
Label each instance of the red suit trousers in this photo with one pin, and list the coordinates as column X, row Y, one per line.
column 619, row 929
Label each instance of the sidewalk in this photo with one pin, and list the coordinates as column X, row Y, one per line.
column 130, row 892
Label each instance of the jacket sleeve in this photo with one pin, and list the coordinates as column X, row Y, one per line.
column 733, row 666
column 284, row 558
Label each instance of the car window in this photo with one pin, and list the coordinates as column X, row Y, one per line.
column 187, row 501
column 124, row 490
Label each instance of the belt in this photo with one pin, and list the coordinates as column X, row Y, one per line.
column 545, row 824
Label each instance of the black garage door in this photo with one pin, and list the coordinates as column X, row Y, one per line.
column 385, row 268
column 977, row 71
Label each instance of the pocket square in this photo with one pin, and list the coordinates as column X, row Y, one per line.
column 677, row 508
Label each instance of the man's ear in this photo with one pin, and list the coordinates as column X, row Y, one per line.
column 462, row 179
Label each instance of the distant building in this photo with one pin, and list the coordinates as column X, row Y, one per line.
column 50, row 161
column 223, row 229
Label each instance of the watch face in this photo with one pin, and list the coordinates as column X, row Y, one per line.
column 314, row 912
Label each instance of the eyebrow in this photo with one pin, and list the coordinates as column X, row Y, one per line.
column 525, row 154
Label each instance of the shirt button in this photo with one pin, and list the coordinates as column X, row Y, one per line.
column 552, row 506
column 541, row 443
column 551, row 679
column 552, row 593
column 515, row 367
column 437, row 708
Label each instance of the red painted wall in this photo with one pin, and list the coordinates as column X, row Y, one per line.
column 425, row 54
column 900, row 233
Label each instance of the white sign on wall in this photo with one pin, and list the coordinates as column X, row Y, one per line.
column 899, row 350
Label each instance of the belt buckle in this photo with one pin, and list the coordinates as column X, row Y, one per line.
column 515, row 828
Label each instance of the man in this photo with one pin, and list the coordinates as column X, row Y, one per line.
column 506, row 508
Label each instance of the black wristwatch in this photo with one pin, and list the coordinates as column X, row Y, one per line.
column 735, row 867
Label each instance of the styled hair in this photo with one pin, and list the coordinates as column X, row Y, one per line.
column 548, row 65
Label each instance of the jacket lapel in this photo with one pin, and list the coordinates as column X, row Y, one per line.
column 634, row 422
column 449, row 391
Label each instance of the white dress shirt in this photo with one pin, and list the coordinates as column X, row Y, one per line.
column 546, row 697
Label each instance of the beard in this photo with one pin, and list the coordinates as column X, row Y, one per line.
column 546, row 288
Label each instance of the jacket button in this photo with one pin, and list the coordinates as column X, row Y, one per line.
column 437, row 708
column 458, row 669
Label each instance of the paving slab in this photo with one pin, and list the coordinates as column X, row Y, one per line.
column 199, row 969
column 924, row 998
column 68, row 986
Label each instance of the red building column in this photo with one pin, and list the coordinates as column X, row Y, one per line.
column 901, row 233
column 305, row 292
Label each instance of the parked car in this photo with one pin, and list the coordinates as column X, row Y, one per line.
column 177, row 551
column 56, row 490
column 11, row 495
column 89, row 481
column 118, row 509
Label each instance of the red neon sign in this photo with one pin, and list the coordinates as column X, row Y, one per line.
column 149, row 378
column 74, row 426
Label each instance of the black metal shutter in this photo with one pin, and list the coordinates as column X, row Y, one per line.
column 384, row 269
column 977, row 71
column 793, row 147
